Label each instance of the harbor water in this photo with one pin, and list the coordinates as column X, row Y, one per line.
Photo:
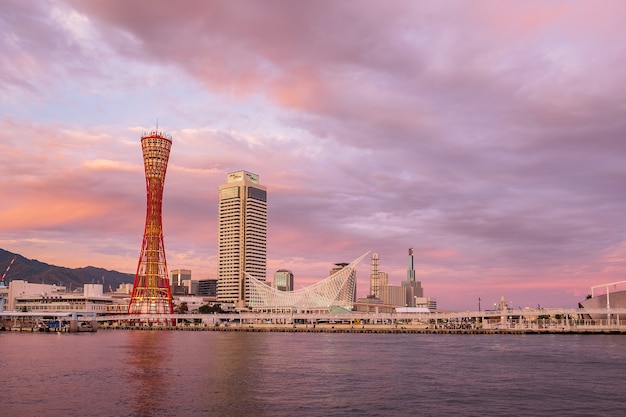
column 170, row 373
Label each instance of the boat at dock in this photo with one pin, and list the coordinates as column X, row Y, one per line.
column 48, row 322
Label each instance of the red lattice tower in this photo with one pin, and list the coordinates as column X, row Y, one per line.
column 151, row 289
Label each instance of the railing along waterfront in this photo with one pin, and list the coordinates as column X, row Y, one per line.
column 545, row 320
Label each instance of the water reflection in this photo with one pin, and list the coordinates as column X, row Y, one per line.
column 146, row 357
column 232, row 385
column 149, row 374
column 193, row 374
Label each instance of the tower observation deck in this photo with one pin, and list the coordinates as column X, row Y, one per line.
column 151, row 288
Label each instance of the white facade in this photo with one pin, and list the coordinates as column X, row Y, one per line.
column 21, row 288
column 349, row 290
column 335, row 291
column 242, row 236
column 26, row 296
column 92, row 290
column 193, row 303
column 125, row 289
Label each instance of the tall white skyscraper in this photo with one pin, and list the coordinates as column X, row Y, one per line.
column 242, row 240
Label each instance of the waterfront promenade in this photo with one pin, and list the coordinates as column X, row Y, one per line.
column 524, row 321
column 326, row 328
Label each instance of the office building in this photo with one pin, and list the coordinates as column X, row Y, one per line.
column 412, row 287
column 177, row 276
column 242, row 236
column 180, row 280
column 192, row 286
column 207, row 288
column 408, row 294
column 283, row 280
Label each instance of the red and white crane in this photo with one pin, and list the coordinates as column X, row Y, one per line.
column 2, row 284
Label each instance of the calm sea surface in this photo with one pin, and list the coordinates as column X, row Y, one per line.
column 173, row 373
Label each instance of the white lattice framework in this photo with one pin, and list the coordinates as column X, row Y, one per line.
column 336, row 290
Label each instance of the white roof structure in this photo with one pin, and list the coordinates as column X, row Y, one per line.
column 335, row 291
column 412, row 310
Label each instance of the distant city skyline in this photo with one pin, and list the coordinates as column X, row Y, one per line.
column 488, row 136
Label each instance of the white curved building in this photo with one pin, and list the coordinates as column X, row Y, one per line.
column 336, row 291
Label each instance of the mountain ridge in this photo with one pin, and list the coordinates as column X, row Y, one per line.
column 37, row 272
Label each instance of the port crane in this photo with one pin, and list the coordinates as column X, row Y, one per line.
column 2, row 283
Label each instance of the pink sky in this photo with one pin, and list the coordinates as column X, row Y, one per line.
column 490, row 136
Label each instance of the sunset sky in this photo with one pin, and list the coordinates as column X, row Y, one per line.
column 490, row 136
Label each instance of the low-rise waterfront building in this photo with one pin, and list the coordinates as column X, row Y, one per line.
column 191, row 304
column 23, row 296
column 126, row 288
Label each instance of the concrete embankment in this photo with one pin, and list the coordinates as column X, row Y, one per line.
column 370, row 329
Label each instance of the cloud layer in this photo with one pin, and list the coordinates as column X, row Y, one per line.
column 487, row 136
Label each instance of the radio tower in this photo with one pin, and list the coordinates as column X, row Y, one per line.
column 374, row 277
column 151, row 289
